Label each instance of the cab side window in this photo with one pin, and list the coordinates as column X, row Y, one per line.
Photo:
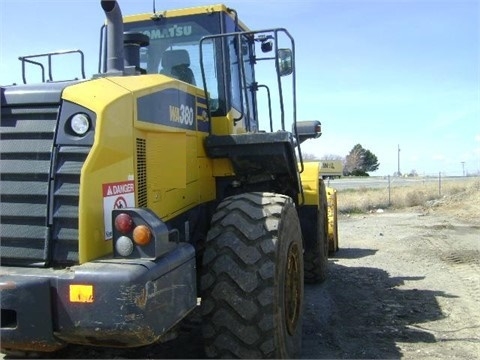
column 242, row 78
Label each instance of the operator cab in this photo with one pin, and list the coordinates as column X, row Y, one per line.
column 210, row 48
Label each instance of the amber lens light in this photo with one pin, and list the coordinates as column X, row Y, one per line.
column 123, row 223
column 142, row 235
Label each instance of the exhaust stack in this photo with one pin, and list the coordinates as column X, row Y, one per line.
column 115, row 57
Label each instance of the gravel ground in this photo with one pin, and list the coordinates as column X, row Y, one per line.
column 405, row 284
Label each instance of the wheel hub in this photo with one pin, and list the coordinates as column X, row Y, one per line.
column 292, row 289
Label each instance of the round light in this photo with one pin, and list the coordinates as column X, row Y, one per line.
column 142, row 235
column 123, row 223
column 80, row 124
column 124, row 246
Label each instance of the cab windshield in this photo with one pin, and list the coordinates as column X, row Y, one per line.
column 174, row 49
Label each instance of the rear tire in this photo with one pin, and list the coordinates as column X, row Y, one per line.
column 252, row 279
column 316, row 255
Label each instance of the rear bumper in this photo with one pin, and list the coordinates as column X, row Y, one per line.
column 122, row 303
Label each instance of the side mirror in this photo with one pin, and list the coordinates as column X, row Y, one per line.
column 308, row 130
column 285, row 61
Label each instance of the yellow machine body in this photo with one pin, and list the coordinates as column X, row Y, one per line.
column 109, row 205
column 312, row 196
column 127, row 147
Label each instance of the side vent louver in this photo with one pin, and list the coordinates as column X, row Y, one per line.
column 142, row 173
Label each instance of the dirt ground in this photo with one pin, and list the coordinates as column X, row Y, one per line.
column 405, row 284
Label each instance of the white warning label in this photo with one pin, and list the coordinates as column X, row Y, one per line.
column 116, row 196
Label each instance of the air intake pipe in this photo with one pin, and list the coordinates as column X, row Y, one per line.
column 115, row 57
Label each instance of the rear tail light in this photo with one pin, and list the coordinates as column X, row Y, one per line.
column 139, row 233
column 142, row 235
column 124, row 246
column 124, row 223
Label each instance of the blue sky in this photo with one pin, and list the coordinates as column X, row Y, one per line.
column 379, row 73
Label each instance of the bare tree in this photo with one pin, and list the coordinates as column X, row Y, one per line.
column 333, row 157
column 353, row 160
column 360, row 161
column 310, row 157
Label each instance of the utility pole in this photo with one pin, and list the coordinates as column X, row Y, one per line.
column 398, row 170
column 463, row 167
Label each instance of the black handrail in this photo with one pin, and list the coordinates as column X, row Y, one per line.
column 26, row 59
column 238, row 35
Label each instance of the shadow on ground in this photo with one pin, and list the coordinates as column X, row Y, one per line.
column 353, row 253
column 361, row 313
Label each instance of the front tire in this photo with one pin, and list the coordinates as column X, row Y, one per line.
column 252, row 279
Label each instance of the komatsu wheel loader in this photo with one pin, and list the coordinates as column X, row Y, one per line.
column 160, row 183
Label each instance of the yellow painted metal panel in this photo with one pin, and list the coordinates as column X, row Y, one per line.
column 224, row 125
column 200, row 144
column 222, row 167
column 310, row 182
column 207, row 9
column 110, row 159
column 332, row 219
column 180, row 175
column 147, row 84
column 206, row 183
column 177, row 12
column 166, row 160
column 177, row 201
column 191, row 159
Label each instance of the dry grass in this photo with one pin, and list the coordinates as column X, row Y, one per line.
column 453, row 194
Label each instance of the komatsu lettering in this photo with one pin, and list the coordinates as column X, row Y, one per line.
column 170, row 32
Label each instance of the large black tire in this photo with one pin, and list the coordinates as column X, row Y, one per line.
column 252, row 279
column 316, row 254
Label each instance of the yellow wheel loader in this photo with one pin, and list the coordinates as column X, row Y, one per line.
column 161, row 182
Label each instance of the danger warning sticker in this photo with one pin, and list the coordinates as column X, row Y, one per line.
column 117, row 195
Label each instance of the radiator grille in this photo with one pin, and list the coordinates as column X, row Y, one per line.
column 64, row 213
column 39, row 187
column 142, row 173
column 26, row 144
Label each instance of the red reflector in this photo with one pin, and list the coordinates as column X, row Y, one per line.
column 124, row 223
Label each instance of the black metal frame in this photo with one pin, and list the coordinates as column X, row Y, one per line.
column 26, row 59
column 244, row 89
column 260, row 157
